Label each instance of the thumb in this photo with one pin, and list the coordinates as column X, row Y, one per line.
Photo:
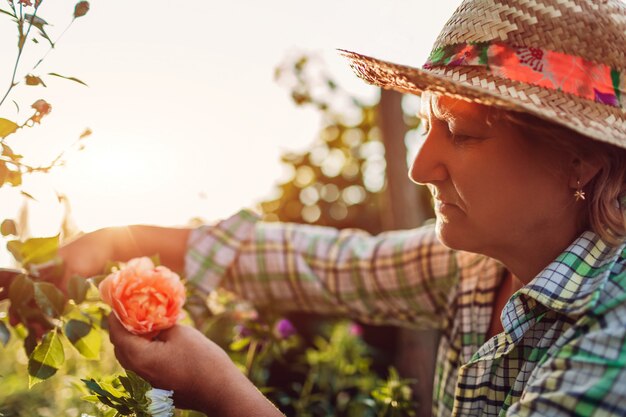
column 124, row 340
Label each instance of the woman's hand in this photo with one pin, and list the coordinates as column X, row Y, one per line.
column 199, row 372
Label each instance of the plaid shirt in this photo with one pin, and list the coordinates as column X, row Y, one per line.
column 563, row 349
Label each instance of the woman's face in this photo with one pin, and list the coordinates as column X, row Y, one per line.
column 492, row 187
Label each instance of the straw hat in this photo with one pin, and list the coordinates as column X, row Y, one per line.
column 561, row 60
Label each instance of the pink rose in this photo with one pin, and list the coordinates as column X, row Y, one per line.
column 145, row 298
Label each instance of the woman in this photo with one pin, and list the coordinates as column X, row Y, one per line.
column 525, row 268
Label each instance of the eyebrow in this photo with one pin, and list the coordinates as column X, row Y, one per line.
column 436, row 110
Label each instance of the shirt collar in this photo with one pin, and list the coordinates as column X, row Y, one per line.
column 571, row 284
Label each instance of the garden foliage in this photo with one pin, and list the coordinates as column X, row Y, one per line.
column 56, row 358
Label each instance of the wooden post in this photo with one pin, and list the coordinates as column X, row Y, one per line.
column 416, row 350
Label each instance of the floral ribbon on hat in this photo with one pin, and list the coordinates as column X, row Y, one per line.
column 540, row 67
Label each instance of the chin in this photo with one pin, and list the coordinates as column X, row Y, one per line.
column 456, row 238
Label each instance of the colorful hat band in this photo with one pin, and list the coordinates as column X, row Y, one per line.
column 540, row 67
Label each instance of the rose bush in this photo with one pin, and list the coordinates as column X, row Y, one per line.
column 144, row 297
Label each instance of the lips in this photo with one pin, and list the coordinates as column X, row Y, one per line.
column 444, row 201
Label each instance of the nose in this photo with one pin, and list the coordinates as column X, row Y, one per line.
column 429, row 166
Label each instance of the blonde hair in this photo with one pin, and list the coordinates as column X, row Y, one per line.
column 606, row 192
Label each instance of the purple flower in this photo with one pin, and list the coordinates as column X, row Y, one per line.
column 284, row 328
column 356, row 330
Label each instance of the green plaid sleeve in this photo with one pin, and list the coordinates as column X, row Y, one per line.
column 212, row 249
column 402, row 277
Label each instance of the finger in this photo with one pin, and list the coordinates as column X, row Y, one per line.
column 169, row 334
column 127, row 346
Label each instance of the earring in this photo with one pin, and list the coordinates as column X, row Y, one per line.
column 579, row 194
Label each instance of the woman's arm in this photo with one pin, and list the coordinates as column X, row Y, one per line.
column 88, row 254
column 401, row 277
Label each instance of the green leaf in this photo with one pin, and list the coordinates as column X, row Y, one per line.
column 39, row 23
column 49, row 298
column 77, row 288
column 46, row 359
column 97, row 279
column 8, row 13
column 5, row 334
column 37, row 250
column 93, row 386
column 8, row 227
column 21, row 291
column 90, row 398
column 36, row 21
column 135, row 385
column 76, row 80
column 239, row 344
column 84, row 337
column 30, row 197
column 7, row 127
column 156, row 259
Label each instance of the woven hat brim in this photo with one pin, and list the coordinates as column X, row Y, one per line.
column 595, row 120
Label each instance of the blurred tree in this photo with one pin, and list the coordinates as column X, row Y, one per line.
column 354, row 175
column 341, row 180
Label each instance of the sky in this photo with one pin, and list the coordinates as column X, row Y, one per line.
column 187, row 118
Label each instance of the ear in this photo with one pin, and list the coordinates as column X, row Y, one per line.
column 583, row 171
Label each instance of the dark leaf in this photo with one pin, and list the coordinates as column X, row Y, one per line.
column 49, row 298
column 76, row 80
column 36, row 21
column 139, row 386
column 21, row 291
column 77, row 288
column 25, row 194
column 97, row 389
column 8, row 13
column 81, row 9
column 30, row 343
column 6, row 278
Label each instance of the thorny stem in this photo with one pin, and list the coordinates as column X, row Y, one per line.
column 22, row 43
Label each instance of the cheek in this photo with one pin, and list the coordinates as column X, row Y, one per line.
column 523, row 196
